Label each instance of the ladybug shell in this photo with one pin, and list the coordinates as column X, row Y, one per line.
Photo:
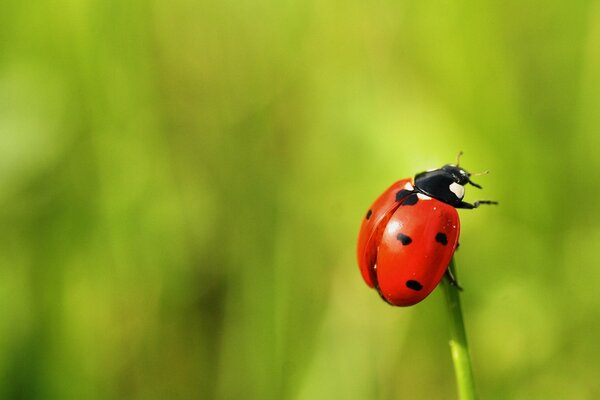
column 416, row 246
column 374, row 224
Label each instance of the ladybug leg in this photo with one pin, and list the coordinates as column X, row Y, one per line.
column 469, row 206
column 480, row 202
column 453, row 280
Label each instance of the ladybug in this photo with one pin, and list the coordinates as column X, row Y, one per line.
column 410, row 233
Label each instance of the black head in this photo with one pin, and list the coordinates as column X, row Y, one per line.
column 446, row 184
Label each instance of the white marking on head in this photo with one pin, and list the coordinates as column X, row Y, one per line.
column 422, row 196
column 458, row 190
column 408, row 186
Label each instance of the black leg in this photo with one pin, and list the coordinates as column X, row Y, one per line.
column 469, row 206
column 452, row 280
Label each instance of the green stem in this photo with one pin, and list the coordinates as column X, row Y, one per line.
column 459, row 347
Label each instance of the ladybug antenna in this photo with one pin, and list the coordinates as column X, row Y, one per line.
column 478, row 174
column 460, row 153
column 481, row 173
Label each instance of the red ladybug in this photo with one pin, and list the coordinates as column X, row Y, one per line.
column 410, row 233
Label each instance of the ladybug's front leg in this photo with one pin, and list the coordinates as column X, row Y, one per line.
column 452, row 279
column 469, row 206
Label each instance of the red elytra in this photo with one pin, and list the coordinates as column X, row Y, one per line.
column 408, row 272
column 372, row 228
column 404, row 274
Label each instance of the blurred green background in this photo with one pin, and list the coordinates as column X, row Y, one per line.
column 181, row 186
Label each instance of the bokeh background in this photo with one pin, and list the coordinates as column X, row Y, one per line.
column 182, row 182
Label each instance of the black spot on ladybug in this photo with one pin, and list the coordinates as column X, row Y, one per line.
column 406, row 240
column 410, row 200
column 400, row 194
column 414, row 285
column 441, row 238
column 369, row 214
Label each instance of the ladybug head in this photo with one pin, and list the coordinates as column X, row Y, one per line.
column 460, row 175
column 446, row 184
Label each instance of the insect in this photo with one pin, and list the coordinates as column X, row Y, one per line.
column 411, row 231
